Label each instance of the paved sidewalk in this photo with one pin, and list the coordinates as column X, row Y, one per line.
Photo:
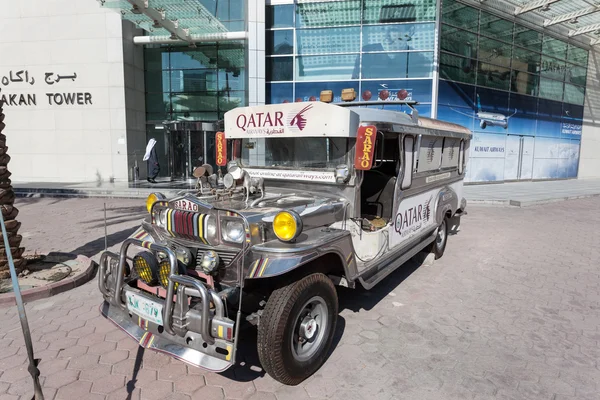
column 523, row 194
column 510, row 312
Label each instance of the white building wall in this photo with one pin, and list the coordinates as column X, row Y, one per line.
column 589, row 160
column 75, row 142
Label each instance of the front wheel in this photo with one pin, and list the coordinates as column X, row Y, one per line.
column 296, row 328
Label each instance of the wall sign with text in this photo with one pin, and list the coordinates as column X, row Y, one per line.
column 20, row 79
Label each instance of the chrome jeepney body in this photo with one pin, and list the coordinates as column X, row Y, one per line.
column 219, row 244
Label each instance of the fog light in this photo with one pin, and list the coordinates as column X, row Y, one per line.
column 287, row 226
column 146, row 267
column 164, row 270
column 210, row 262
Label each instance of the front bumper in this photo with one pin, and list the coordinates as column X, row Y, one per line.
column 200, row 335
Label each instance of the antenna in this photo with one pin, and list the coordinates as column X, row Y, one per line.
column 105, row 230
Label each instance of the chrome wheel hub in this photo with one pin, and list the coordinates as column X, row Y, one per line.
column 310, row 329
column 441, row 235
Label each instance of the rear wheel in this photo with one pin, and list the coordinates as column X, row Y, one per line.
column 441, row 239
column 296, row 328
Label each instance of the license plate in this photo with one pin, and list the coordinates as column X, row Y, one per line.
column 186, row 205
column 147, row 309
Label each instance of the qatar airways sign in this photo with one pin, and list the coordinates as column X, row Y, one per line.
column 311, row 119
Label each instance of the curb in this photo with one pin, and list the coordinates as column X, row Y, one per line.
column 50, row 193
column 529, row 203
column 42, row 292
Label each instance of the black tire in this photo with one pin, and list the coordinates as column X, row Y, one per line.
column 282, row 320
column 441, row 239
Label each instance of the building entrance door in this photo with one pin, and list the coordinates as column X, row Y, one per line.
column 518, row 162
column 191, row 144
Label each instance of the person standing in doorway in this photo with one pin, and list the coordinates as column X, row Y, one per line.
column 152, row 160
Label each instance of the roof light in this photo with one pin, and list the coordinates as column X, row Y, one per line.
column 348, row 94
column 326, row 96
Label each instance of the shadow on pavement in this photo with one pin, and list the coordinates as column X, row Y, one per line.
column 92, row 248
column 136, row 369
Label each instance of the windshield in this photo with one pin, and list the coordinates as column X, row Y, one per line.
column 293, row 153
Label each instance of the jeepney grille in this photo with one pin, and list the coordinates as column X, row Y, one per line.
column 187, row 225
column 225, row 257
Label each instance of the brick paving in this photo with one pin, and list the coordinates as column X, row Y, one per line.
column 510, row 312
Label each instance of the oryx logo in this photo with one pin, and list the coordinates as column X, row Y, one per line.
column 298, row 120
column 431, row 151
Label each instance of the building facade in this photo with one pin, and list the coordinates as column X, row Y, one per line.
column 87, row 83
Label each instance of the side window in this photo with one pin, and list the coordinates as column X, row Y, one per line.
column 430, row 153
column 450, row 155
column 461, row 157
column 409, row 151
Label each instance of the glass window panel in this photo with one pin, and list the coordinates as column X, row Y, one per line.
column 550, row 89
column 332, row 13
column 158, row 103
column 528, row 38
column 554, row 48
column 329, row 40
column 204, row 57
column 388, row 11
column 574, row 94
column 232, row 80
column 396, row 37
column 420, row 65
column 458, row 41
column 460, row 15
column 280, row 69
column 553, row 68
column 231, row 55
column 277, row 93
column 455, row 68
column 228, row 10
column 325, row 67
column 493, row 76
column 157, row 81
column 193, row 80
column 280, row 16
column 524, row 83
column 280, row 42
column 310, row 91
column 194, row 102
column 578, row 55
column 156, row 59
column 230, row 100
column 235, row 26
column 526, row 60
column 495, row 27
column 158, row 117
column 384, row 65
column 494, row 52
column 576, row 75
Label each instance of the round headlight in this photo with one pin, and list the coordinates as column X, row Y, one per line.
column 228, row 181
column 210, row 262
column 233, row 232
column 162, row 218
column 153, row 198
column 211, row 227
column 164, row 270
column 287, row 226
column 145, row 265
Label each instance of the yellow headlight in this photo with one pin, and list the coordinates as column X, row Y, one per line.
column 164, row 270
column 153, row 198
column 144, row 265
column 287, row 226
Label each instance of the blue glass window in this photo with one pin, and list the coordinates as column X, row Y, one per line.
column 420, row 64
column 456, row 68
column 328, row 40
column 277, row 93
column 280, row 42
column 384, row 65
column 576, row 75
column 157, row 81
column 398, row 37
column 459, row 42
column 528, row 39
column 524, row 83
column 460, row 15
column 338, row 67
column 554, row 48
column 574, row 94
column 577, row 55
column 494, row 52
column 194, row 80
column 526, row 60
column 280, row 69
column 495, row 27
column 204, row 57
column 553, row 68
column 418, row 90
column 493, row 76
column 280, row 16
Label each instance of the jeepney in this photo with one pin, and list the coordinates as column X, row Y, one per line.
column 305, row 196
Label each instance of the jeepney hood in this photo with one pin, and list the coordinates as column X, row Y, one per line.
column 315, row 208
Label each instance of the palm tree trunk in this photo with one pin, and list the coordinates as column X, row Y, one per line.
column 9, row 212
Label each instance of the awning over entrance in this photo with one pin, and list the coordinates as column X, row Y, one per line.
column 576, row 19
column 187, row 21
